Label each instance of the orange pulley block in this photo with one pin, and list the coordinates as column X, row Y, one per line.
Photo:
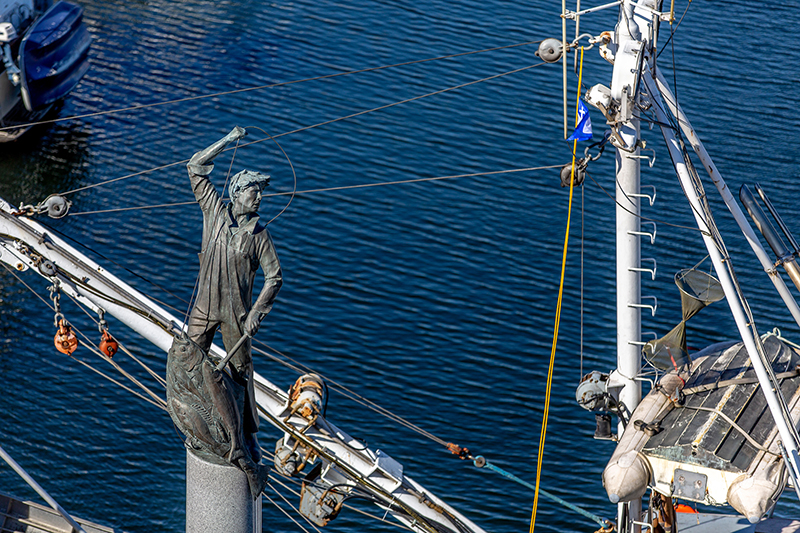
column 65, row 340
column 108, row 346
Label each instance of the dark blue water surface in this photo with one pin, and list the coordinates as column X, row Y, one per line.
column 434, row 299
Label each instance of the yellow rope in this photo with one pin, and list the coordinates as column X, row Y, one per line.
column 558, row 312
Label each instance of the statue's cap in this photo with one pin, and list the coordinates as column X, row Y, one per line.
column 247, row 178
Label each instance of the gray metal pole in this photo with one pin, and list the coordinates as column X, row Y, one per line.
column 38, row 488
column 218, row 499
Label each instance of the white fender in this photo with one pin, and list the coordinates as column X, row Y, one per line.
column 754, row 494
column 628, row 472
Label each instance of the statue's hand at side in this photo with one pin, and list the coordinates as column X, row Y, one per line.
column 252, row 323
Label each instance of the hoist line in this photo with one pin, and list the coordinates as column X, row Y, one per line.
column 283, row 510
column 161, row 381
column 261, row 87
column 304, row 128
column 327, row 189
column 96, row 350
column 551, row 368
column 89, row 345
column 84, row 363
column 293, row 508
column 344, row 391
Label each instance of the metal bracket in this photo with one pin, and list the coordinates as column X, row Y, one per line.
column 652, row 199
column 652, row 308
column 643, row 343
column 689, row 485
column 646, row 234
column 12, row 257
column 652, row 271
column 572, row 15
column 651, row 159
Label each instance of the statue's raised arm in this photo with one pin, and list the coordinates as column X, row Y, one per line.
column 200, row 166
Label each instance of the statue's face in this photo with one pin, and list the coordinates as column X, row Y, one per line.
column 249, row 200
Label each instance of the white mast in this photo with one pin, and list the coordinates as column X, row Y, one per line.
column 633, row 28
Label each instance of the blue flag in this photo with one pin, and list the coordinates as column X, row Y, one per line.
column 584, row 130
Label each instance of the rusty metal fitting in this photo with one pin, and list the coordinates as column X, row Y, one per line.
column 108, row 346
column 65, row 340
column 608, row 528
column 460, row 451
column 307, row 396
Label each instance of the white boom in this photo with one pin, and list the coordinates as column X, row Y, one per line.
column 25, row 244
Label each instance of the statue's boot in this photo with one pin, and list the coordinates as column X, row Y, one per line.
column 257, row 476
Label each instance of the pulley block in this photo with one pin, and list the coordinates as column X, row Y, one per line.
column 108, row 346
column 65, row 340
column 567, row 174
column 56, row 206
column 550, row 50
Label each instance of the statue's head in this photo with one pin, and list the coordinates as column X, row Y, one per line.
column 246, row 187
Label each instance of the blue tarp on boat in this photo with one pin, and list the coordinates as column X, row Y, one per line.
column 53, row 55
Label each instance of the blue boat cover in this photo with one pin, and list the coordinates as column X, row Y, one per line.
column 53, row 55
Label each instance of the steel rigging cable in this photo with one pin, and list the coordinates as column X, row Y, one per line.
column 261, row 87
column 304, row 128
column 327, row 189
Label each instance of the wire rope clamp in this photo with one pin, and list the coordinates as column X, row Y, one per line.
column 65, row 340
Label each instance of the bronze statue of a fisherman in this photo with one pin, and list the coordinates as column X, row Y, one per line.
column 234, row 246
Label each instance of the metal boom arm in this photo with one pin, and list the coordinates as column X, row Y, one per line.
column 25, row 244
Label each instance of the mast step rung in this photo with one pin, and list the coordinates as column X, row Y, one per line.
column 652, row 271
column 652, row 308
column 651, row 199
column 652, row 234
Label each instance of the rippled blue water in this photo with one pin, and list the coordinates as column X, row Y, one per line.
column 434, row 299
